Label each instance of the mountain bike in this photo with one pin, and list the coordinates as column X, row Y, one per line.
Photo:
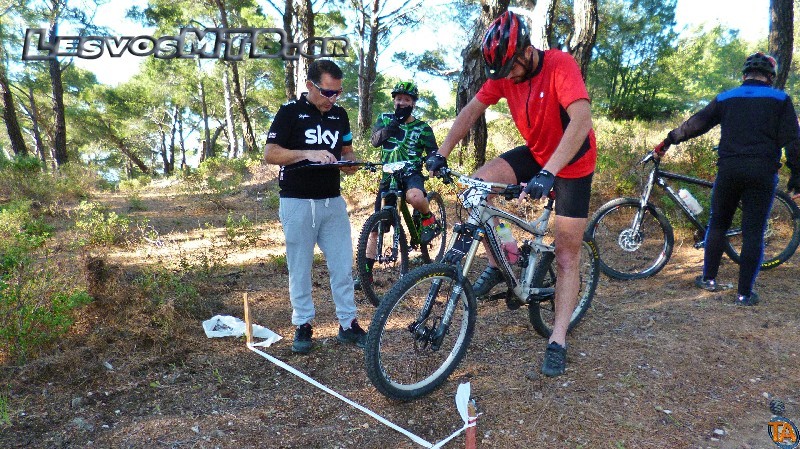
column 635, row 238
column 386, row 240
column 421, row 330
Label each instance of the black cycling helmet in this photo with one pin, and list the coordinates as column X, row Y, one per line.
column 507, row 37
column 406, row 87
column 760, row 62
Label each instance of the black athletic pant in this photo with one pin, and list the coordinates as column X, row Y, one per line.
column 754, row 185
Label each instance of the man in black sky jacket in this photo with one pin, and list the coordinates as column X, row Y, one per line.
column 314, row 129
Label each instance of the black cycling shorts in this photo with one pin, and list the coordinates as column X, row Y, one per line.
column 572, row 194
column 410, row 181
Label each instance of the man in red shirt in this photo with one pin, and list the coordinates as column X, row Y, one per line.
column 550, row 105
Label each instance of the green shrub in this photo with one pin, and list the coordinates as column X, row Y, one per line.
column 163, row 286
column 217, row 178
column 134, row 184
column 25, row 178
column 36, row 297
column 98, row 226
column 240, row 233
column 5, row 414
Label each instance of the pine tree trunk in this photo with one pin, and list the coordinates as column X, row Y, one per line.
column 472, row 78
column 33, row 113
column 18, row 145
column 368, row 73
column 781, row 38
column 60, row 134
column 247, row 127
column 305, row 30
column 289, row 73
column 585, row 35
column 208, row 149
column 233, row 141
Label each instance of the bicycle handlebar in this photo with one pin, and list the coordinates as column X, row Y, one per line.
column 508, row 191
column 371, row 166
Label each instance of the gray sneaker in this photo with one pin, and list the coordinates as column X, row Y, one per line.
column 490, row 277
column 302, row 339
column 353, row 335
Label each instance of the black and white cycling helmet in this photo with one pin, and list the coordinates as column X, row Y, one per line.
column 760, row 62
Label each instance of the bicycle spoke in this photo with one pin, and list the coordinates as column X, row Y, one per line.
column 403, row 359
column 628, row 251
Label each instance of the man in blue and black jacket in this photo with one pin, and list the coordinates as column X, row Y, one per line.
column 756, row 122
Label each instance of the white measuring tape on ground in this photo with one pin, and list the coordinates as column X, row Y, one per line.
column 462, row 399
column 228, row 326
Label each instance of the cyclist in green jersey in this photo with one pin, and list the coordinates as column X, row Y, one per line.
column 404, row 137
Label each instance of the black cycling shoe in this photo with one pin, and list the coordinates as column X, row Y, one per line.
column 555, row 360
column 749, row 300
column 490, row 277
column 706, row 284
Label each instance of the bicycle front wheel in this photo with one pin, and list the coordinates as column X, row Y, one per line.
column 541, row 311
column 406, row 355
column 434, row 250
column 781, row 235
column 382, row 255
column 632, row 242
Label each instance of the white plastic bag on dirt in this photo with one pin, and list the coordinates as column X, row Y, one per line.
column 229, row 326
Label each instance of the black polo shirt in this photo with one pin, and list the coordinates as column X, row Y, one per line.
column 299, row 125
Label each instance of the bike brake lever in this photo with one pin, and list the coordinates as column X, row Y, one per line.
column 445, row 175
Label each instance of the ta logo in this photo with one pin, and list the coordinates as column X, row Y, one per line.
column 783, row 433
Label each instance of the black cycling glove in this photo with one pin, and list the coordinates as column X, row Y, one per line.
column 794, row 183
column 435, row 162
column 540, row 185
column 381, row 135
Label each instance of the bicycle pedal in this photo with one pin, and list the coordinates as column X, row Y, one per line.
column 493, row 297
column 514, row 303
column 542, row 297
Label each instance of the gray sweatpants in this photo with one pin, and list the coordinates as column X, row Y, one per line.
column 307, row 223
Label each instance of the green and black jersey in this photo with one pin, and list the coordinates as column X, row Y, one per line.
column 412, row 141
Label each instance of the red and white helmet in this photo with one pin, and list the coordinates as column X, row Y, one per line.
column 506, row 37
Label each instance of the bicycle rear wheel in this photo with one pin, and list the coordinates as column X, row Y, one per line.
column 629, row 249
column 381, row 235
column 781, row 236
column 541, row 311
column 434, row 250
column 402, row 356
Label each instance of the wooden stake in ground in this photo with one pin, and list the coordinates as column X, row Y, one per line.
column 248, row 327
column 471, row 432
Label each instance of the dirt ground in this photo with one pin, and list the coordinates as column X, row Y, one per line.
column 655, row 363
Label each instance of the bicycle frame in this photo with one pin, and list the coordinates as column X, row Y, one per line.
column 479, row 227
column 658, row 177
column 395, row 194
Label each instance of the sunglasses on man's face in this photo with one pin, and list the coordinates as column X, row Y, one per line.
column 328, row 93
